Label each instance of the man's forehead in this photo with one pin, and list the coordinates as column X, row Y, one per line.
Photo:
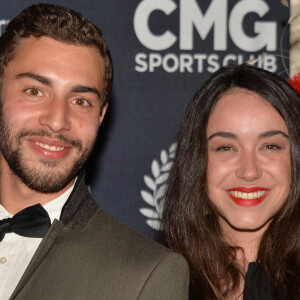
column 46, row 56
column 33, row 42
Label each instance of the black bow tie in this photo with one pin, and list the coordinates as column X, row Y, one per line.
column 32, row 221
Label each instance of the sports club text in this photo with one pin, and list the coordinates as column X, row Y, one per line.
column 216, row 18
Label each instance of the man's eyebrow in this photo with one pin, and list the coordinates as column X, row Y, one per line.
column 37, row 77
column 223, row 134
column 272, row 133
column 85, row 89
column 48, row 82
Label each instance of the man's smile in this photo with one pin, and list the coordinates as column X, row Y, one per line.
column 48, row 147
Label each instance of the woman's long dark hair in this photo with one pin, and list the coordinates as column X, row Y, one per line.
column 191, row 223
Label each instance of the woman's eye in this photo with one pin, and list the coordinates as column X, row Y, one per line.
column 81, row 102
column 272, row 147
column 224, row 148
column 34, row 92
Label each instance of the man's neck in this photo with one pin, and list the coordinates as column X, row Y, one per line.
column 15, row 195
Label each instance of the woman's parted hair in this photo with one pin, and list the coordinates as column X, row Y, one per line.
column 61, row 24
column 191, row 223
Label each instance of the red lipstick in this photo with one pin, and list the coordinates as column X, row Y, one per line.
column 258, row 194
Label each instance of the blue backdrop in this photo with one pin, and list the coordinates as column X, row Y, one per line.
column 163, row 51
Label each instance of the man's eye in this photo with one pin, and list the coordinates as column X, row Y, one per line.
column 34, row 92
column 272, row 147
column 81, row 102
column 224, row 148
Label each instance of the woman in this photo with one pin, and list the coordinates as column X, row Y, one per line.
column 232, row 206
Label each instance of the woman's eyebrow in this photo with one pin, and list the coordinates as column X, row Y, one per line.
column 272, row 133
column 223, row 134
column 226, row 134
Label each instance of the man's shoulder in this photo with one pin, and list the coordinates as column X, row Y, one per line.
column 107, row 258
column 121, row 236
column 107, row 241
column 96, row 225
column 149, row 267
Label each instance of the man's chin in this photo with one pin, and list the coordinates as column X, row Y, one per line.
column 47, row 184
column 48, row 176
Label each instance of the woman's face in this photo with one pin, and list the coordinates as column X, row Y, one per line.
column 249, row 164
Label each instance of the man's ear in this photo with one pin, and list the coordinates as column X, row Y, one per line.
column 102, row 113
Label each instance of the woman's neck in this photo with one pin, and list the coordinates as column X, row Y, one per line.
column 247, row 241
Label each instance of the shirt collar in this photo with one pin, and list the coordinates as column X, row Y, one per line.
column 55, row 206
column 4, row 214
column 52, row 207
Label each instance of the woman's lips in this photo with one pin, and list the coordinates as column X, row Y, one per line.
column 248, row 196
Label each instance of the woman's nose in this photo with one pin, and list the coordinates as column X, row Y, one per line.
column 248, row 168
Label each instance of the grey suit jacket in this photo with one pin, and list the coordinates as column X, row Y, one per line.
column 90, row 255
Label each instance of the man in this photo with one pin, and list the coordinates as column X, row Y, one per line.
column 56, row 79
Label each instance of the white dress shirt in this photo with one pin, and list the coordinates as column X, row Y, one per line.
column 16, row 251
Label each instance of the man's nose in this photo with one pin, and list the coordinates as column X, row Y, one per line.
column 56, row 116
column 248, row 167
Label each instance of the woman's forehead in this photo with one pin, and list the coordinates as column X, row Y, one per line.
column 242, row 111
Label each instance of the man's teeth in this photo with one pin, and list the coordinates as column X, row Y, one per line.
column 51, row 148
column 242, row 195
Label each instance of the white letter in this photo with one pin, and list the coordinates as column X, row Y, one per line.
column 200, row 58
column 270, row 63
column 213, row 63
column 2, row 24
column 154, row 61
column 170, row 69
column 186, row 61
column 228, row 58
column 142, row 30
column 240, row 59
column 266, row 31
column 141, row 64
column 191, row 15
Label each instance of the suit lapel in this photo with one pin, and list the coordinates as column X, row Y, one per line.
column 76, row 213
column 80, row 207
column 46, row 244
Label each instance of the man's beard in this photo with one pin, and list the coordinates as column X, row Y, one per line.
column 49, row 180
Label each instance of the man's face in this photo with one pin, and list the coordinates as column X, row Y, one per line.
column 50, row 111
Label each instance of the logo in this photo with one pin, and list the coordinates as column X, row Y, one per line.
column 218, row 21
column 156, row 184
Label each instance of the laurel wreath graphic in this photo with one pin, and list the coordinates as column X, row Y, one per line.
column 157, row 185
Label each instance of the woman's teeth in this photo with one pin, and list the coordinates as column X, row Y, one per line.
column 242, row 195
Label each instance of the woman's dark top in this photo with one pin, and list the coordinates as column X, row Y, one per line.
column 257, row 284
